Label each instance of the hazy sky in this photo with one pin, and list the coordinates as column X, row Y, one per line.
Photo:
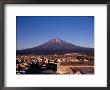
column 35, row 30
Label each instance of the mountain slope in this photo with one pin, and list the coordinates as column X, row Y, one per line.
column 56, row 46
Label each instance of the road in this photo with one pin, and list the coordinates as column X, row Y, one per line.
column 75, row 66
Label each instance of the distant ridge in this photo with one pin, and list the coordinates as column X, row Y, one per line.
column 56, row 46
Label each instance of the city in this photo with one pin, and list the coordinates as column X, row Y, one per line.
column 55, row 45
column 70, row 63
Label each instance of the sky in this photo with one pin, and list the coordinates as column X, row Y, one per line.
column 32, row 31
